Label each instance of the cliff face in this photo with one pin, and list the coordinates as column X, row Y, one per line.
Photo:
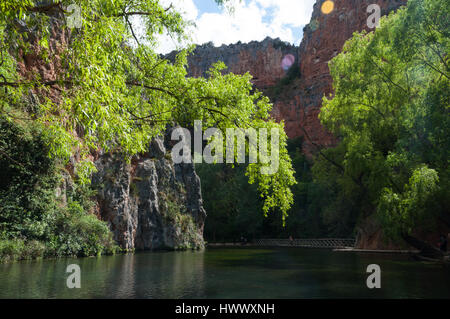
column 262, row 59
column 297, row 101
column 322, row 40
column 150, row 203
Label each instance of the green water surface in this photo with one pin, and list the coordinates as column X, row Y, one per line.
column 228, row 273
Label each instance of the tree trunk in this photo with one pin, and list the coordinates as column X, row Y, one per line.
column 426, row 250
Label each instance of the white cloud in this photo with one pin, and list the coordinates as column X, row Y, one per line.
column 289, row 12
column 189, row 11
column 251, row 20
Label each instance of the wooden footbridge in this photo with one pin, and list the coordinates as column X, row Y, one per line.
column 331, row 243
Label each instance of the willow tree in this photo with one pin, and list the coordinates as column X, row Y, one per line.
column 391, row 112
column 114, row 92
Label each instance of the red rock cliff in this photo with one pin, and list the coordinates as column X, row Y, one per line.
column 298, row 100
column 264, row 60
column 322, row 40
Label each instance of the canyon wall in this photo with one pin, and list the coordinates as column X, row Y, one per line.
column 297, row 93
column 150, row 203
column 322, row 40
column 262, row 59
column 298, row 99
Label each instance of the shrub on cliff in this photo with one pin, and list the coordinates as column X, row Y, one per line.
column 112, row 88
column 33, row 220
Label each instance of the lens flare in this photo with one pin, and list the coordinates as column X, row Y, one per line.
column 327, row 7
column 287, row 62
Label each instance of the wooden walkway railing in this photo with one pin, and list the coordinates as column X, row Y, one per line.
column 311, row 243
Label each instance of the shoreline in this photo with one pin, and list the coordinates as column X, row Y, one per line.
column 337, row 249
column 376, row 251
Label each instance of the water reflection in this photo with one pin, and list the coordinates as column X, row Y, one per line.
column 227, row 273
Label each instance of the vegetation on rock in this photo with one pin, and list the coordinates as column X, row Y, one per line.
column 33, row 221
column 390, row 112
column 108, row 90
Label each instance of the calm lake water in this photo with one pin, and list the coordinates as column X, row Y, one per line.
column 227, row 273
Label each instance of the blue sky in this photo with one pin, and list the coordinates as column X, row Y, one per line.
column 250, row 20
column 207, row 6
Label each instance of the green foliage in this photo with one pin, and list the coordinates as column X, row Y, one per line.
column 402, row 212
column 233, row 206
column 172, row 210
column 116, row 93
column 28, row 180
column 33, row 221
column 391, row 112
column 77, row 233
column 292, row 74
column 18, row 249
column 234, row 209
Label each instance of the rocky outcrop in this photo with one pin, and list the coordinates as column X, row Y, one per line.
column 264, row 60
column 298, row 100
column 150, row 203
column 322, row 40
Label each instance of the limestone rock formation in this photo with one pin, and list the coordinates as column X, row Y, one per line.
column 151, row 203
